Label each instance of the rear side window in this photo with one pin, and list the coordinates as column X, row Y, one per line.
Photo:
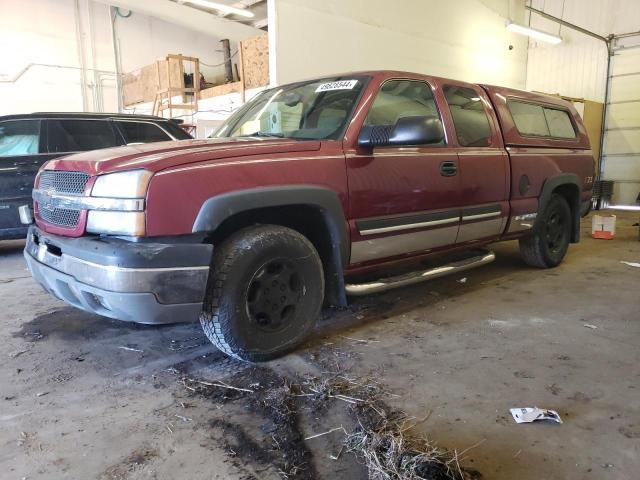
column 469, row 116
column 141, row 132
column 19, row 137
column 539, row 121
column 559, row 123
column 80, row 135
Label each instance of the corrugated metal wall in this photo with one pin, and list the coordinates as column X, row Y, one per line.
column 577, row 66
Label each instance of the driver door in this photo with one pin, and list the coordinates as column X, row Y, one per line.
column 403, row 199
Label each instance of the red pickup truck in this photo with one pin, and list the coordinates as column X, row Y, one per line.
column 310, row 193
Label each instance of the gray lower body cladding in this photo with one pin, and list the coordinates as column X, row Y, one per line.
column 150, row 283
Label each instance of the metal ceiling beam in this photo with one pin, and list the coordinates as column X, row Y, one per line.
column 188, row 17
column 245, row 4
column 564, row 23
column 261, row 23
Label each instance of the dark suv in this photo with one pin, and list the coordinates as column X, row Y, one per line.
column 28, row 141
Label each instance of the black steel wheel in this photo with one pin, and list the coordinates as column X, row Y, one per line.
column 274, row 294
column 547, row 246
column 556, row 231
column 265, row 291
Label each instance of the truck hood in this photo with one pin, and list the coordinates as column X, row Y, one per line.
column 159, row 156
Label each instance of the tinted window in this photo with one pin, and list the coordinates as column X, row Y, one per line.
column 176, row 131
column 559, row 123
column 80, row 135
column 469, row 117
column 529, row 118
column 401, row 98
column 138, row 132
column 19, row 137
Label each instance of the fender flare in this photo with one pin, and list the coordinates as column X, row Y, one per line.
column 574, row 203
column 216, row 210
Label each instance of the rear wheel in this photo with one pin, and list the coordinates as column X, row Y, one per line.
column 265, row 291
column 548, row 245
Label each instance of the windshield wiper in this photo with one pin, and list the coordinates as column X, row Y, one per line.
column 263, row 134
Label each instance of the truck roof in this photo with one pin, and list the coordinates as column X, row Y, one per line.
column 384, row 74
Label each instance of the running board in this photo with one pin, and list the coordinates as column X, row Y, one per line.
column 384, row 284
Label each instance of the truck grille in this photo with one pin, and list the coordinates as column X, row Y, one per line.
column 63, row 182
column 72, row 183
column 62, row 217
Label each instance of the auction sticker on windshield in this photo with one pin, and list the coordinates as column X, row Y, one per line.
column 339, row 85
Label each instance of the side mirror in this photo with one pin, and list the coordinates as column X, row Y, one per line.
column 423, row 130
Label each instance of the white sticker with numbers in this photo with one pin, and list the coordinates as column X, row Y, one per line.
column 339, row 85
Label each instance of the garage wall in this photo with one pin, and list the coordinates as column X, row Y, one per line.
column 463, row 39
column 577, row 68
column 47, row 32
column 144, row 39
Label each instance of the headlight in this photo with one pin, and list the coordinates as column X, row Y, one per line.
column 132, row 184
column 116, row 223
column 116, row 219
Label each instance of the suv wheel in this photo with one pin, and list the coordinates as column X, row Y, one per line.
column 546, row 247
column 265, row 291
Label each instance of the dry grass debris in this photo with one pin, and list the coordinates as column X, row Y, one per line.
column 383, row 439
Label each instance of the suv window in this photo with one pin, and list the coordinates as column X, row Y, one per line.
column 19, row 137
column 142, row 132
column 80, row 135
column 469, row 116
column 536, row 120
column 401, row 98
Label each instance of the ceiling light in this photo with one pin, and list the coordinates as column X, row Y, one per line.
column 221, row 7
column 533, row 33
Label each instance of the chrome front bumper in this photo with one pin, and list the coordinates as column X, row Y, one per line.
column 134, row 282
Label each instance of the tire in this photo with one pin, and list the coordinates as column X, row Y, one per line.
column 264, row 294
column 548, row 245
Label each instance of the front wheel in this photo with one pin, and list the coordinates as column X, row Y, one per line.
column 548, row 245
column 265, row 291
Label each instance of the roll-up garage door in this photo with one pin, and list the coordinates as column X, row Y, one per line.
column 621, row 150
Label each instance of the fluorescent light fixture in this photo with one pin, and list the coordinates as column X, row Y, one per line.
column 221, row 7
column 533, row 33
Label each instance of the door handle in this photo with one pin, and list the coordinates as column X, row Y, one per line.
column 448, row 169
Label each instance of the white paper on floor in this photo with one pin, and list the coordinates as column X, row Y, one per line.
column 532, row 414
column 631, row 264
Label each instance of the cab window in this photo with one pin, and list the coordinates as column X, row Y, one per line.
column 19, row 137
column 469, row 116
column 401, row 98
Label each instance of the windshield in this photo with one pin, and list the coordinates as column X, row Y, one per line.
column 317, row 109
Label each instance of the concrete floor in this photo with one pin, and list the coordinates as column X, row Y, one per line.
column 75, row 404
